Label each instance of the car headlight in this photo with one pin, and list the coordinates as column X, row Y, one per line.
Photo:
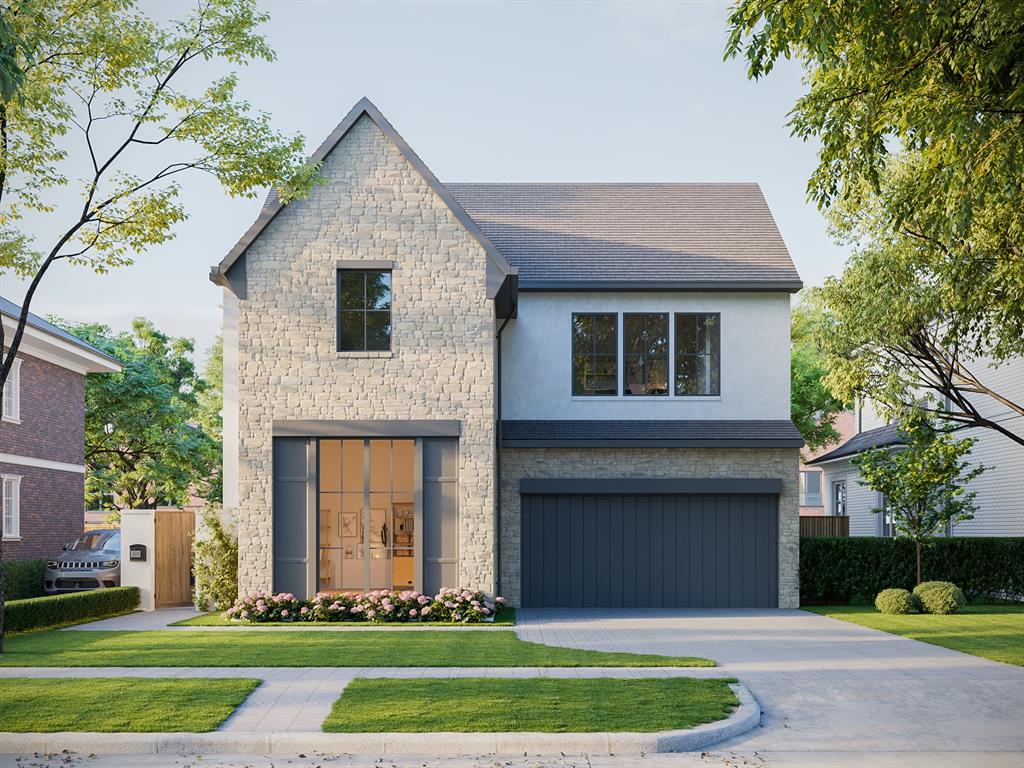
column 110, row 563
column 52, row 564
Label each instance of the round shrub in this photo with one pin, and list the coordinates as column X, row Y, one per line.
column 940, row 597
column 895, row 601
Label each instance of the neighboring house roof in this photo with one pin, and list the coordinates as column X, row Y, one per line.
column 650, row 434
column 273, row 205
column 590, row 236
column 12, row 311
column 648, row 236
column 873, row 438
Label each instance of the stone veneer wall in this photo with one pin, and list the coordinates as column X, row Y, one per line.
column 374, row 206
column 519, row 463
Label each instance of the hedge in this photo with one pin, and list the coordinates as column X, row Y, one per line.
column 70, row 608
column 854, row 569
column 23, row 579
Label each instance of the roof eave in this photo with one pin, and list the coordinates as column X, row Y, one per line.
column 760, row 286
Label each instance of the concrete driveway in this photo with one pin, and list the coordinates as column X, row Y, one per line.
column 825, row 685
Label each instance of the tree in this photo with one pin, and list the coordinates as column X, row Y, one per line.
column 98, row 98
column 925, row 483
column 211, row 407
column 145, row 441
column 813, row 407
column 919, row 108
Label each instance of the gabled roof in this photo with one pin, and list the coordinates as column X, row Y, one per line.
column 676, row 433
column 640, row 236
column 12, row 311
column 498, row 267
column 889, row 435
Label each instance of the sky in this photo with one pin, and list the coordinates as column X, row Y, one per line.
column 517, row 91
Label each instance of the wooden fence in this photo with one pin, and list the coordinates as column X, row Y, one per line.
column 825, row 525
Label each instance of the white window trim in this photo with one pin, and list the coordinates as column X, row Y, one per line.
column 15, row 533
column 12, row 414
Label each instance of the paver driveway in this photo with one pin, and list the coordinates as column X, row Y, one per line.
column 823, row 684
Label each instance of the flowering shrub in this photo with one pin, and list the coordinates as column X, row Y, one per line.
column 448, row 606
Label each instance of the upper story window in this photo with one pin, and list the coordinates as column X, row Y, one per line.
column 645, row 354
column 364, row 310
column 11, row 499
column 595, row 354
column 12, row 394
column 810, row 488
column 697, row 354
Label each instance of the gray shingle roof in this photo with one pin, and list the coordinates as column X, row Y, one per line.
column 872, row 438
column 13, row 311
column 639, row 233
column 678, row 433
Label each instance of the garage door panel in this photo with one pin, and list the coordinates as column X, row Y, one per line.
column 655, row 550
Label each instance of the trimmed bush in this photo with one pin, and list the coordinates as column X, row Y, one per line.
column 895, row 601
column 23, row 579
column 834, row 570
column 70, row 608
column 940, row 597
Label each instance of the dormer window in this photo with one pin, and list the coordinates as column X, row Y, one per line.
column 364, row 310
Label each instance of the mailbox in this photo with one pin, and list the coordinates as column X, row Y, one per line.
column 137, row 553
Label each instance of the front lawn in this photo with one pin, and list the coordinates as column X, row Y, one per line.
column 991, row 631
column 315, row 648
column 119, row 705
column 216, row 619
column 532, row 704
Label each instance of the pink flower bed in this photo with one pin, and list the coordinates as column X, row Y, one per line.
column 452, row 606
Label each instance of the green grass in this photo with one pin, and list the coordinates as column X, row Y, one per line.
column 991, row 631
column 506, row 619
column 119, row 705
column 373, row 648
column 532, row 704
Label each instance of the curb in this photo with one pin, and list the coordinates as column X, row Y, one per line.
column 746, row 716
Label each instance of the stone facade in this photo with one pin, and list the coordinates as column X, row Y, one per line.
column 374, row 206
column 519, row 463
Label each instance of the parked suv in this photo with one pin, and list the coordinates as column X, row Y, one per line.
column 93, row 561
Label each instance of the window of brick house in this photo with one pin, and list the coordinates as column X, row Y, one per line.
column 12, row 394
column 11, row 499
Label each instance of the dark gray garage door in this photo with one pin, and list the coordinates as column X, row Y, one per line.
column 650, row 551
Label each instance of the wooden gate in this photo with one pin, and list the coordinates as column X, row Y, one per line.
column 174, row 531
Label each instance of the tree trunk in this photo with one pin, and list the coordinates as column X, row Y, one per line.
column 917, row 544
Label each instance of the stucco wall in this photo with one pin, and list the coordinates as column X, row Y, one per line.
column 519, row 463
column 374, row 206
column 537, row 357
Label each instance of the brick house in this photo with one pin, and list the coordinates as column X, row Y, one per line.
column 568, row 394
column 42, row 442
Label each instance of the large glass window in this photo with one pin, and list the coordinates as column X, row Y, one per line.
column 810, row 489
column 594, row 354
column 364, row 310
column 645, row 354
column 697, row 354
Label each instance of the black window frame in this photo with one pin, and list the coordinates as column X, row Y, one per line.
column 716, row 355
column 646, row 358
column 593, row 353
column 365, row 311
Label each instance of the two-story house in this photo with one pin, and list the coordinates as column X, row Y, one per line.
column 42, row 436
column 568, row 394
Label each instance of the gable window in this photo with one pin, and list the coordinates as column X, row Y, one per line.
column 11, row 506
column 594, row 354
column 839, row 498
column 12, row 393
column 810, row 489
column 364, row 310
column 697, row 354
column 645, row 354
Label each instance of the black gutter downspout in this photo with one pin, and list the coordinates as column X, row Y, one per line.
column 497, row 447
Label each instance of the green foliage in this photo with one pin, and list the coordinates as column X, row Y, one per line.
column 925, row 483
column 24, row 578
column 211, row 407
column 835, row 570
column 70, row 608
column 895, row 601
column 940, row 597
column 813, row 407
column 144, row 440
column 919, row 112
column 215, row 556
